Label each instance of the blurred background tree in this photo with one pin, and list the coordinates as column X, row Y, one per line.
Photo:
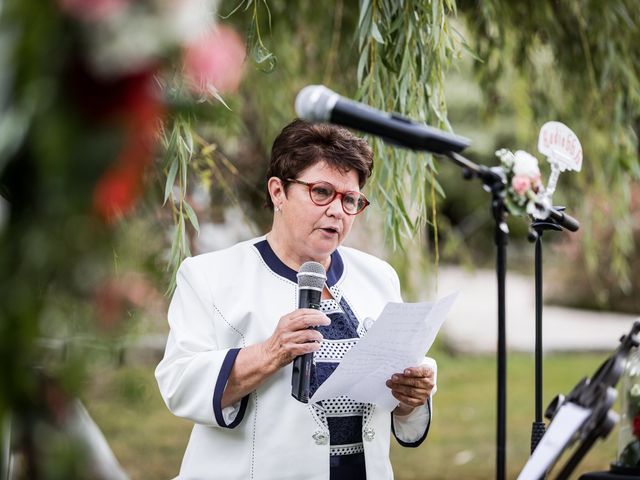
column 89, row 89
column 574, row 62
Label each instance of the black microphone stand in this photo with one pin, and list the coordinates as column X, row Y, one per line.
column 494, row 182
column 536, row 229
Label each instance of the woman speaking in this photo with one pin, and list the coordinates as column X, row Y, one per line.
column 236, row 328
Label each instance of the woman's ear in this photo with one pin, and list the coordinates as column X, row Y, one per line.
column 276, row 191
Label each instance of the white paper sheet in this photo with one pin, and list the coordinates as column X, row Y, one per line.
column 400, row 337
column 566, row 422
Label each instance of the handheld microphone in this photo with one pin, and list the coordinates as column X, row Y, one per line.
column 316, row 103
column 311, row 280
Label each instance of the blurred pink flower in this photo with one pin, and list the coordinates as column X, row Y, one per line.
column 214, row 62
column 521, row 184
column 92, row 10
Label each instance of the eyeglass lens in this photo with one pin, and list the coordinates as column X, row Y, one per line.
column 324, row 193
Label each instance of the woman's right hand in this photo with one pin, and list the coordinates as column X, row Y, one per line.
column 293, row 337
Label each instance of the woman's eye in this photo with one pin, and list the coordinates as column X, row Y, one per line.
column 322, row 192
column 350, row 200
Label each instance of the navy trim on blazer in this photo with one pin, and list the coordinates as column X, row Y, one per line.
column 421, row 439
column 221, row 383
column 336, row 269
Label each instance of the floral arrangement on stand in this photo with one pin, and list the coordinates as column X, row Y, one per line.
column 88, row 89
column 523, row 182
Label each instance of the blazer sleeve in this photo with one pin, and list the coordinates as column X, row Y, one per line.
column 411, row 430
column 194, row 371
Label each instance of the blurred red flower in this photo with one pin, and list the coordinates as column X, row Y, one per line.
column 112, row 98
column 215, row 62
column 140, row 111
column 118, row 189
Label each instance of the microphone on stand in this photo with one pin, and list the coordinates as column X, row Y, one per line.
column 316, row 103
column 311, row 280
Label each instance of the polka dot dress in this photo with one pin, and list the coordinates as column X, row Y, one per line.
column 344, row 416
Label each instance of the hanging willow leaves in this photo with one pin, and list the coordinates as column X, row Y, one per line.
column 260, row 53
column 405, row 49
column 192, row 159
column 178, row 155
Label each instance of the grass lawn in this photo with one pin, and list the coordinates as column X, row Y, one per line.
column 149, row 442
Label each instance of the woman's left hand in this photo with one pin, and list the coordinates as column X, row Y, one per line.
column 412, row 387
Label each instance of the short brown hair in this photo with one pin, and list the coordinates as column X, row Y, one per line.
column 302, row 144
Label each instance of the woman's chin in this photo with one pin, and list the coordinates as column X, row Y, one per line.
column 322, row 250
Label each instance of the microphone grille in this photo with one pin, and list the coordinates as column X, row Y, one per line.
column 311, row 275
column 315, row 102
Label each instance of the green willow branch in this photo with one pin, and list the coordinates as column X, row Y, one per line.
column 405, row 49
column 179, row 150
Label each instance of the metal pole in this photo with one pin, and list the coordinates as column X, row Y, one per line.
column 501, row 239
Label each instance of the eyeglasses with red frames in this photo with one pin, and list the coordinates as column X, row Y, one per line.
column 323, row 193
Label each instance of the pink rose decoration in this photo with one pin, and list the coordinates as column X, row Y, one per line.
column 521, row 184
column 215, row 62
column 92, row 10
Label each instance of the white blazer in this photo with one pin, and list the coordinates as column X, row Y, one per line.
column 233, row 298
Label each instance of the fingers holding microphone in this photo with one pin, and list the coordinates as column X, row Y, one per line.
column 295, row 335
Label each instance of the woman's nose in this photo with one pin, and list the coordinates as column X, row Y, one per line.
column 335, row 207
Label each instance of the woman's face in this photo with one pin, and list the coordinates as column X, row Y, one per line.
column 312, row 232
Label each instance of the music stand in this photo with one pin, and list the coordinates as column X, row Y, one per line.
column 587, row 409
